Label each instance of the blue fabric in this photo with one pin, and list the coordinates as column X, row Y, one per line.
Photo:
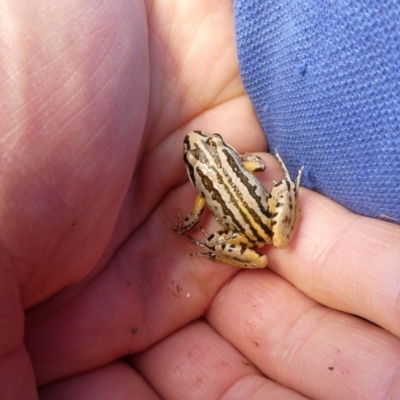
column 324, row 78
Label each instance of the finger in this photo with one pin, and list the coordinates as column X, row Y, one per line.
column 345, row 261
column 113, row 381
column 316, row 351
column 203, row 76
column 197, row 363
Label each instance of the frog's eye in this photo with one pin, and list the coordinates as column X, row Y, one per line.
column 211, row 142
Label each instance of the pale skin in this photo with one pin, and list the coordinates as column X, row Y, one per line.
column 96, row 99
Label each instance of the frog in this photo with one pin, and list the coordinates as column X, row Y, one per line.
column 251, row 216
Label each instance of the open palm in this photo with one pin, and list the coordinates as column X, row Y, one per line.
column 95, row 104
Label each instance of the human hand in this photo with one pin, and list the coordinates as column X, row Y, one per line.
column 115, row 275
column 90, row 149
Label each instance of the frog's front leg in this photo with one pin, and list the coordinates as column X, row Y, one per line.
column 232, row 248
column 191, row 221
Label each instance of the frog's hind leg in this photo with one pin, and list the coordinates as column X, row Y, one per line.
column 232, row 248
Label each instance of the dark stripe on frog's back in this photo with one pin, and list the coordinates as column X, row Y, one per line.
column 243, row 178
column 196, row 153
column 209, row 185
column 226, row 208
column 241, row 204
column 262, row 203
column 190, row 171
column 235, row 196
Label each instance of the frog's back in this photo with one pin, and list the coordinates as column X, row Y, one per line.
column 234, row 195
